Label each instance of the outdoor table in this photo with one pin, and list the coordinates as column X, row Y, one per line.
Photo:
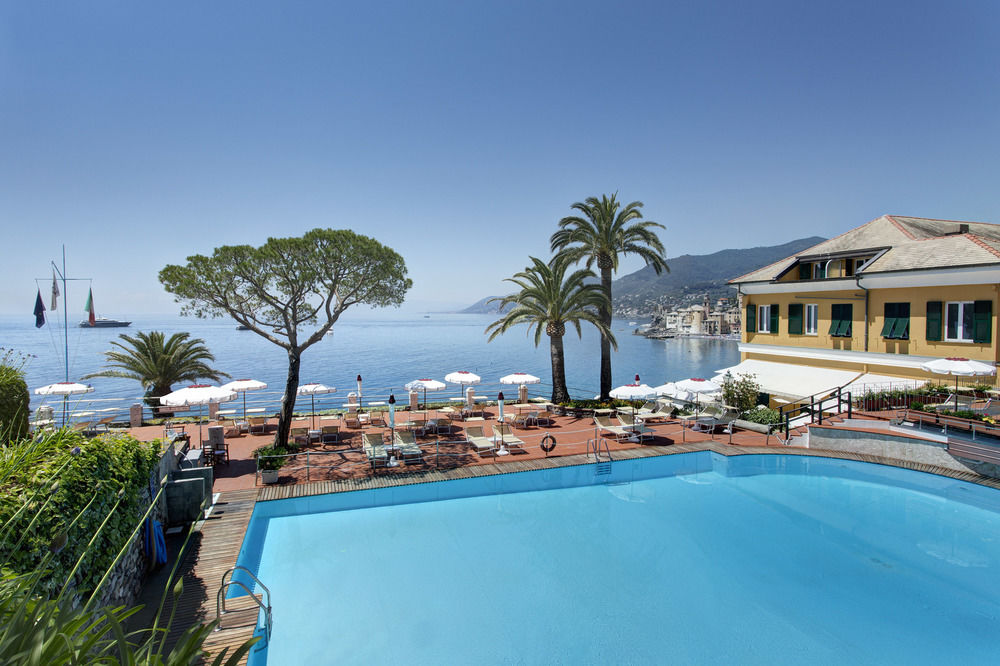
column 226, row 412
column 255, row 410
column 377, row 403
column 459, row 399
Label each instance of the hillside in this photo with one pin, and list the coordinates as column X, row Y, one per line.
column 691, row 276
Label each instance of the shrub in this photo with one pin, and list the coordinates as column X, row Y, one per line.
column 14, row 397
column 763, row 415
column 60, row 488
column 918, row 406
column 741, row 391
column 268, row 462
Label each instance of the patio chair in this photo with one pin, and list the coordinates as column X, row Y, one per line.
column 352, row 420
column 714, row 416
column 638, row 428
column 258, row 422
column 300, row 436
column 374, row 449
column 442, row 425
column 653, row 410
column 479, row 441
column 503, row 434
column 605, row 426
column 330, row 434
column 104, row 424
column 545, row 416
column 523, row 419
column 406, row 442
column 376, row 418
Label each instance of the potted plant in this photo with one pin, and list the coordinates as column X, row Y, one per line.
column 269, row 460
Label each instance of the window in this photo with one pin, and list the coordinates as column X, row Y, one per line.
column 812, row 319
column 819, row 270
column 795, row 319
column 764, row 319
column 959, row 321
column 896, row 325
column 805, row 271
column 848, row 267
column 841, row 317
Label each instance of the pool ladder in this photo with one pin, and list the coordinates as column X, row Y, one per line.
column 599, row 447
column 247, row 614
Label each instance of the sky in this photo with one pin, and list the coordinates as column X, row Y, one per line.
column 459, row 133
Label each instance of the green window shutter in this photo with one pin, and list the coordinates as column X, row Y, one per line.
column 774, row 319
column 933, row 320
column 795, row 319
column 890, row 323
column 805, row 271
column 834, row 319
column 849, row 318
column 982, row 323
column 902, row 329
column 751, row 320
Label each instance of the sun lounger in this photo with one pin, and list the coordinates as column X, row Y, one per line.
column 478, row 439
column 406, row 442
column 653, row 410
column 330, row 435
column 299, row 436
column 635, row 426
column 503, row 435
column 605, row 425
column 377, row 418
column 713, row 417
column 352, row 420
column 258, row 422
column 373, row 447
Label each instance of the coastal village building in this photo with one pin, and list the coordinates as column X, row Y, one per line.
column 867, row 308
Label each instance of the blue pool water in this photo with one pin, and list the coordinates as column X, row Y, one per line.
column 692, row 558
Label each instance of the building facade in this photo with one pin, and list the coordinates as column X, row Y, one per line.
column 871, row 305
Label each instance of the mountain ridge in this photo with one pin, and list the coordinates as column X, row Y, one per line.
column 690, row 276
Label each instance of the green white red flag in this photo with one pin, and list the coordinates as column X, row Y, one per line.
column 89, row 308
column 55, row 291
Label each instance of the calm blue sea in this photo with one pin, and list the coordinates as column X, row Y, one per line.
column 387, row 349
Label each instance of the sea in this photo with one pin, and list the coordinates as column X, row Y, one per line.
column 387, row 348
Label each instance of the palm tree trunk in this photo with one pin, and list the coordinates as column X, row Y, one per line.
column 559, row 391
column 288, row 399
column 605, row 314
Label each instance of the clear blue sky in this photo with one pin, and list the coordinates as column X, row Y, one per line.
column 459, row 133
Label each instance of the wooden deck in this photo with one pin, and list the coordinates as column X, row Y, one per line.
column 221, row 535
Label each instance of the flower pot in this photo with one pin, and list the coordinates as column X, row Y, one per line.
column 269, row 475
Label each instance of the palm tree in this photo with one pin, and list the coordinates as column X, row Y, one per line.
column 158, row 362
column 604, row 233
column 547, row 301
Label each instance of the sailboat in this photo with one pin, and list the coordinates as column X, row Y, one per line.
column 94, row 321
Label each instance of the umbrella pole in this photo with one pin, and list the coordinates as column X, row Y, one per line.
column 956, row 393
column 313, row 396
column 244, row 405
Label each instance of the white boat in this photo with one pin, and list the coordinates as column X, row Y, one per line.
column 104, row 322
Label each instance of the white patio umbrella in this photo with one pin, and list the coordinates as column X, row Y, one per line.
column 312, row 389
column 670, row 390
column 960, row 367
column 65, row 389
column 633, row 392
column 698, row 386
column 520, row 379
column 242, row 386
column 463, row 378
column 197, row 394
column 426, row 385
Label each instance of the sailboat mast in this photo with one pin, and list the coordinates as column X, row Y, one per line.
column 65, row 315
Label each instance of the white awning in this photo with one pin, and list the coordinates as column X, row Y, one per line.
column 792, row 381
column 870, row 383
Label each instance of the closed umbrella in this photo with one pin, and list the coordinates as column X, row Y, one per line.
column 426, row 385
column 502, row 451
column 197, row 394
column 242, row 386
column 65, row 389
column 312, row 389
column 960, row 367
column 359, row 389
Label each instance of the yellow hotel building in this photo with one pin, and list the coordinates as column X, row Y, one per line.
column 867, row 308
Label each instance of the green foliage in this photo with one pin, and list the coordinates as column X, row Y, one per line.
column 548, row 300
column 740, row 391
column 265, row 462
column 289, row 283
column 14, row 396
column 602, row 235
column 918, row 406
column 763, row 415
column 60, row 488
column 158, row 362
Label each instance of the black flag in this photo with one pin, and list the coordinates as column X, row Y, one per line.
column 39, row 311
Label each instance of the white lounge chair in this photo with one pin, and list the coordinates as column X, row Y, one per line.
column 605, row 425
column 635, row 426
column 479, row 441
column 503, row 435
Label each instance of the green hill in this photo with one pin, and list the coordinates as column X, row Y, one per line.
column 691, row 276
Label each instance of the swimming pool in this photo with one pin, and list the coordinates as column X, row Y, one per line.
column 692, row 558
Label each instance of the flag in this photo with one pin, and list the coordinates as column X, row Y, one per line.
column 89, row 308
column 39, row 311
column 55, row 292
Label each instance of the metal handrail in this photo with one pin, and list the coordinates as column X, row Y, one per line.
column 220, row 600
column 595, row 446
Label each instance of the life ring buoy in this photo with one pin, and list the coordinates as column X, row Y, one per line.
column 548, row 443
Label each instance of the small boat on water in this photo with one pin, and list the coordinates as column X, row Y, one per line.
column 104, row 322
